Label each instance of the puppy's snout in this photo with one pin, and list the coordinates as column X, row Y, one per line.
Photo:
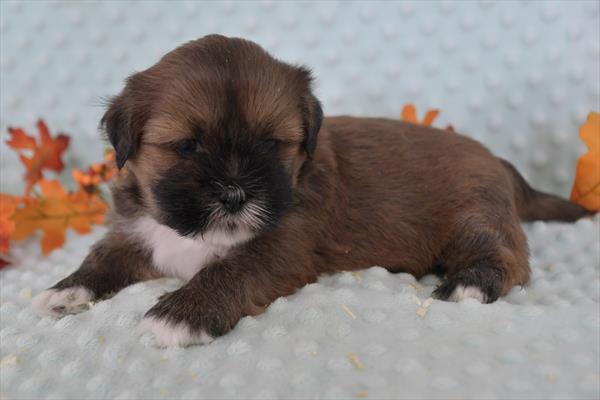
column 232, row 198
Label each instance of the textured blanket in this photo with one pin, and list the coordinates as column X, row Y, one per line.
column 369, row 334
column 520, row 76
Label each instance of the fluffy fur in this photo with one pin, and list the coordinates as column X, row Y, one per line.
column 232, row 180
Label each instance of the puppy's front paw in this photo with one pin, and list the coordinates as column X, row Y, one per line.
column 180, row 318
column 58, row 303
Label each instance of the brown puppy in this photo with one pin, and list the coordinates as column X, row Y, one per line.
column 231, row 180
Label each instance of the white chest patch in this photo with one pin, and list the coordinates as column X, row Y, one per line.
column 182, row 257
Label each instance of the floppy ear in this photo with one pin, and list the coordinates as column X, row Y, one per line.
column 312, row 116
column 126, row 116
column 116, row 123
column 311, row 112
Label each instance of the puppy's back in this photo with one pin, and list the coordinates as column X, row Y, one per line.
column 395, row 157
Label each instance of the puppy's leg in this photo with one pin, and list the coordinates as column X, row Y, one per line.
column 113, row 263
column 215, row 299
column 486, row 257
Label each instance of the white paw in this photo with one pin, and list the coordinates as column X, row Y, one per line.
column 467, row 292
column 167, row 334
column 58, row 303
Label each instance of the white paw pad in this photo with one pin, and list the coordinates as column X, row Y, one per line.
column 58, row 303
column 167, row 334
column 467, row 292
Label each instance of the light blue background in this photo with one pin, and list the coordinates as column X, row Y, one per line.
column 519, row 75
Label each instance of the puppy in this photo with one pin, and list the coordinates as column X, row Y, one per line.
column 232, row 180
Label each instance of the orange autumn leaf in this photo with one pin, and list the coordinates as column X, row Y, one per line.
column 586, row 188
column 430, row 116
column 409, row 114
column 87, row 180
column 55, row 211
column 20, row 140
column 96, row 173
column 46, row 154
column 8, row 206
column 110, row 165
column 52, row 148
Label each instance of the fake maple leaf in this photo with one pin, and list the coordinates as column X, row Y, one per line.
column 55, row 211
column 88, row 180
column 19, row 140
column 44, row 155
column 8, row 206
column 95, row 174
column 409, row 114
column 586, row 188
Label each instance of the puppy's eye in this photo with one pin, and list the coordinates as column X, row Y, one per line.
column 272, row 143
column 188, row 147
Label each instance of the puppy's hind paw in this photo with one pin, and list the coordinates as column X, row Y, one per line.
column 467, row 292
column 167, row 334
column 58, row 303
column 457, row 292
column 481, row 282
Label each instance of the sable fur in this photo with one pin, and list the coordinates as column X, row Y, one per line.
column 338, row 193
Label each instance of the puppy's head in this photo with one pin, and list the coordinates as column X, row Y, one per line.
column 215, row 134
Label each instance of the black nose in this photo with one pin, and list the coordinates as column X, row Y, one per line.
column 233, row 198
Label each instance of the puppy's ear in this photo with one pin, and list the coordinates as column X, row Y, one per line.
column 312, row 115
column 312, row 118
column 124, row 120
column 116, row 123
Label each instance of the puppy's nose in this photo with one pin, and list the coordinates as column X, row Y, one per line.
column 232, row 198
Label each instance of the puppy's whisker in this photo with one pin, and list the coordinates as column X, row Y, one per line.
column 251, row 218
column 258, row 210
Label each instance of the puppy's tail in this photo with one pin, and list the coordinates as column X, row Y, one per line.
column 535, row 205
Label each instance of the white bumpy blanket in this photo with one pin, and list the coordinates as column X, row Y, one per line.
column 369, row 334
